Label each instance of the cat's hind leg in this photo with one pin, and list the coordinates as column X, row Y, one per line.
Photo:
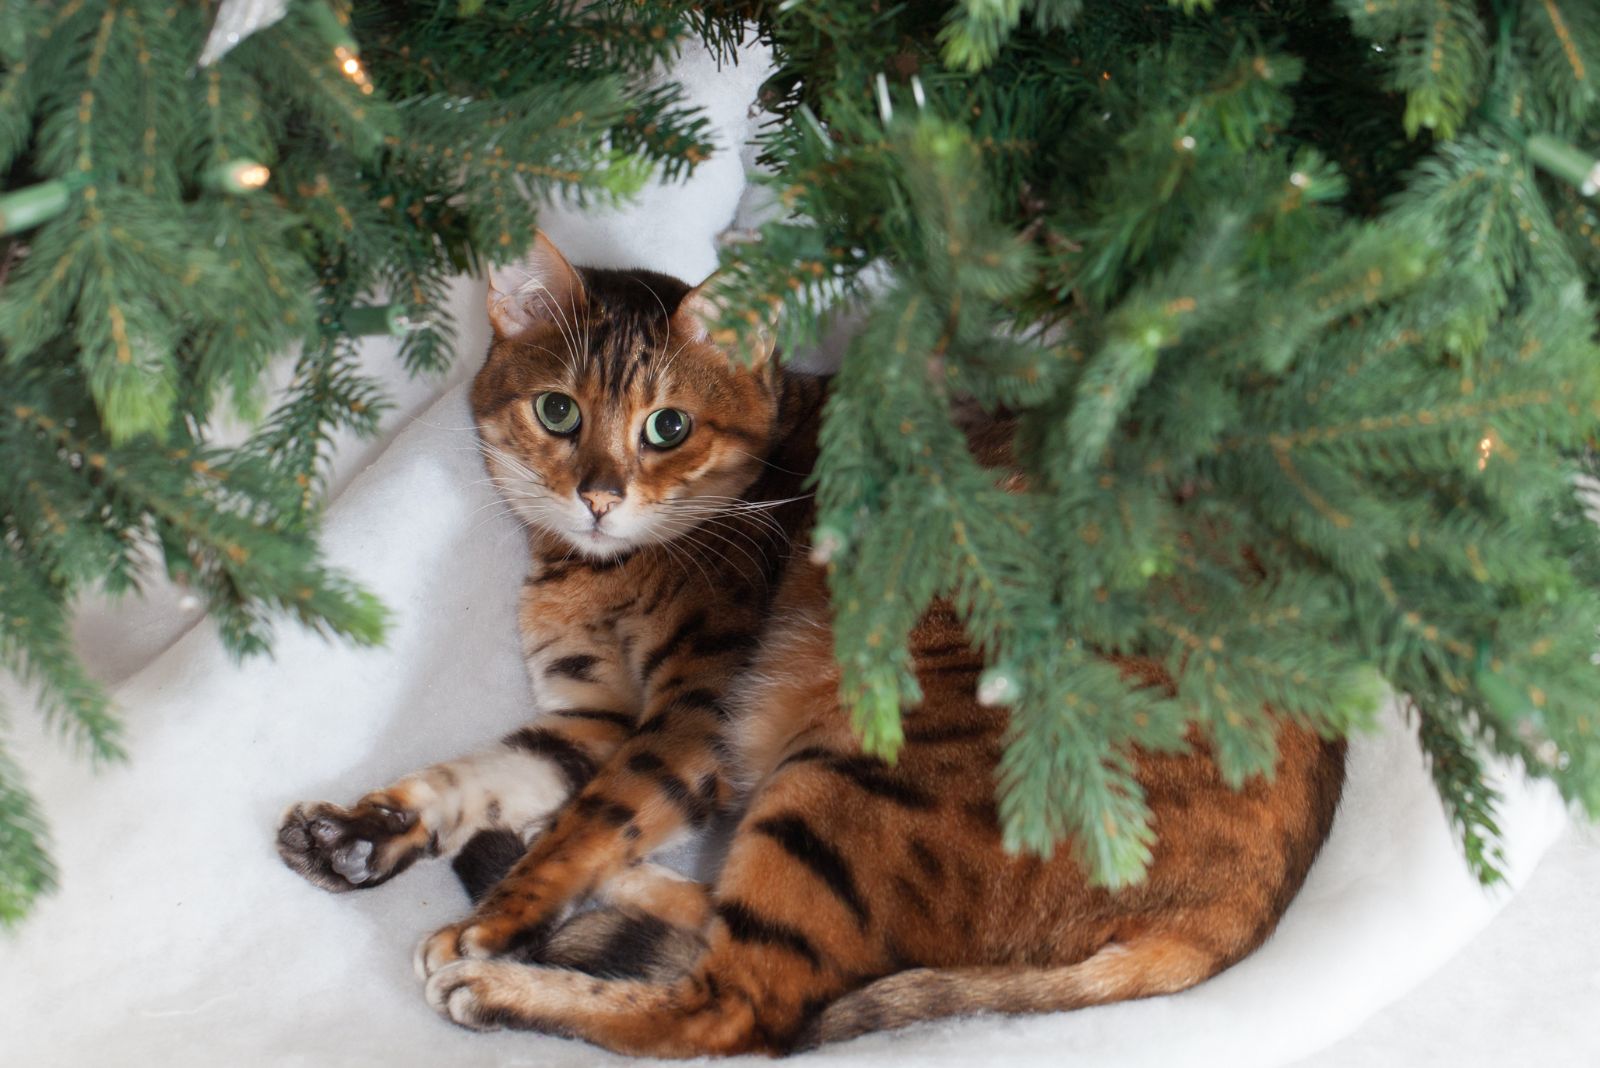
column 747, row 997
column 740, row 998
column 651, row 927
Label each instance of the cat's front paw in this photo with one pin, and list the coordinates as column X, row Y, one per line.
column 347, row 849
column 448, row 945
column 477, row 939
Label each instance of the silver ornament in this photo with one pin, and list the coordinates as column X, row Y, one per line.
column 236, row 20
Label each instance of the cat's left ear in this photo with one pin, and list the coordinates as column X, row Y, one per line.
column 702, row 311
column 543, row 288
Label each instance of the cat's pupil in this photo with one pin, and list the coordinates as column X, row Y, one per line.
column 666, row 428
column 557, row 411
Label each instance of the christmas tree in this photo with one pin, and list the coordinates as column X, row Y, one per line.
column 171, row 225
column 1291, row 304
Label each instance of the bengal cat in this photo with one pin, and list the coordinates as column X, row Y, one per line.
column 681, row 652
column 659, row 484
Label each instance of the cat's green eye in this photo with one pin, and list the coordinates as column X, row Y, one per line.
column 666, row 428
column 557, row 411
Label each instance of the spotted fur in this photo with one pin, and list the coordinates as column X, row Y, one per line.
column 634, row 618
column 856, row 895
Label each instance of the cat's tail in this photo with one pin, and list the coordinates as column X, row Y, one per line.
column 1145, row 967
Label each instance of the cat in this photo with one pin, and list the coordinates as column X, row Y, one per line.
column 658, row 534
column 855, row 895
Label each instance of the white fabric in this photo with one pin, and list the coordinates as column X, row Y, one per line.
column 180, row 939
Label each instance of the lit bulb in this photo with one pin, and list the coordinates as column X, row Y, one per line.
column 997, row 686
column 254, row 176
column 238, row 176
column 350, row 64
column 825, row 545
column 1485, row 447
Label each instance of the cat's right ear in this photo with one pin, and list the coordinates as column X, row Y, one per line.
column 543, row 288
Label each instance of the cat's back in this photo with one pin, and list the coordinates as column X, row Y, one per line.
column 929, row 882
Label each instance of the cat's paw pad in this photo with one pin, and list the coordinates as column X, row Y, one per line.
column 345, row 849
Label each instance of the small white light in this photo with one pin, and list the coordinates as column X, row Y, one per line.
column 253, row 176
column 826, row 547
column 1299, row 180
column 1187, row 141
column 885, row 105
column 996, row 687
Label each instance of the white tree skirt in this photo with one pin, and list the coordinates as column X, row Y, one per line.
column 180, row 939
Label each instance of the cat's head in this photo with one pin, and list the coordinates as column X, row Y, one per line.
column 607, row 415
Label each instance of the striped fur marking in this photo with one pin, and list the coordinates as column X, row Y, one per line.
column 597, row 715
column 672, row 787
column 579, row 667
column 575, row 765
column 745, row 925
column 822, row 859
column 614, row 813
column 868, row 773
column 677, row 640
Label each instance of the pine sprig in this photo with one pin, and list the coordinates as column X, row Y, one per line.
column 26, row 870
column 1460, row 777
column 151, row 304
column 1298, row 365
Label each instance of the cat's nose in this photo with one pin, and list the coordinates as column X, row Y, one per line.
column 600, row 499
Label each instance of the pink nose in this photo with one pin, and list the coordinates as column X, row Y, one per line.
column 600, row 501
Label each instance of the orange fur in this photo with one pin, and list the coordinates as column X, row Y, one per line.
column 677, row 656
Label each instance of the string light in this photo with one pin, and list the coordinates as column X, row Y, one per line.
column 28, row 207
column 350, row 66
column 997, row 686
column 885, row 105
column 1485, row 448
column 238, row 176
column 345, row 52
column 826, row 543
column 391, row 319
column 1573, row 165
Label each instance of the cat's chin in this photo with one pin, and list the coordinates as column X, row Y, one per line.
column 597, row 545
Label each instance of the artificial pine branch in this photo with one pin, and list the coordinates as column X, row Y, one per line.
column 1291, row 306
column 152, row 299
column 1299, row 351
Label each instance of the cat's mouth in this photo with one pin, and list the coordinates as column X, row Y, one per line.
column 592, row 541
